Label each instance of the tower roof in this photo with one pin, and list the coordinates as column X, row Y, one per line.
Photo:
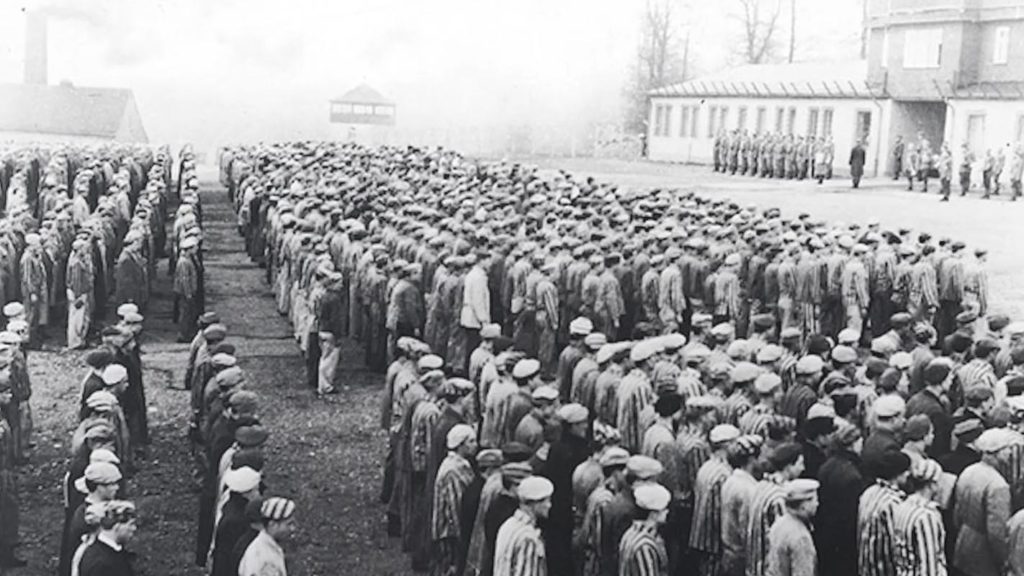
column 363, row 94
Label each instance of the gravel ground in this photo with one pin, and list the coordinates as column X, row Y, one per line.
column 324, row 454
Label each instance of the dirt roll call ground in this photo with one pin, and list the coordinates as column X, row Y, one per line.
column 325, row 455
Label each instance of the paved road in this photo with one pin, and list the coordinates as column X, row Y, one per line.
column 994, row 224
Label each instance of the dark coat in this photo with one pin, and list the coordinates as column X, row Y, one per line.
column 925, row 402
column 565, row 455
column 876, row 446
column 857, row 160
column 836, row 521
column 100, row 559
column 232, row 526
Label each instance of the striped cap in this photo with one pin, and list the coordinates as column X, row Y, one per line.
column 277, row 509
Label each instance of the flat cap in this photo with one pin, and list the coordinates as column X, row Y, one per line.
column 744, row 372
column 800, row 489
column 242, row 479
column 489, row 458
column 573, row 413
column 490, row 331
column 767, row 383
column 889, row 406
column 926, row 470
column 430, row 362
column 458, row 435
column 251, row 436
column 996, row 439
column 844, row 354
column 937, row 371
column 525, row 368
column 277, row 509
column 769, row 353
column 595, row 340
column 652, row 497
column 723, row 433
column 581, row 326
column 614, row 456
column 114, row 374
column 810, row 364
column 535, row 489
column 644, row 467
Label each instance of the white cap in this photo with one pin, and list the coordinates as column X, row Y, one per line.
column 242, row 479
column 114, row 374
column 535, row 489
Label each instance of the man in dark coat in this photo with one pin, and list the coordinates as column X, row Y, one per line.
column 836, row 522
column 932, row 402
column 857, row 160
column 244, row 486
column 566, row 453
column 107, row 556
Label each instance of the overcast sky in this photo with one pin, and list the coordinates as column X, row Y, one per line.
column 224, row 70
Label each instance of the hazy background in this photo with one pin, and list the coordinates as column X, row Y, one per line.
column 219, row 71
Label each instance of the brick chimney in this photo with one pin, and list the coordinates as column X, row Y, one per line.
column 35, row 48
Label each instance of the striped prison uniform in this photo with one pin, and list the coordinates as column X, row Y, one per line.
column 768, row 505
column 519, row 548
column 642, row 551
column 453, row 476
column 874, row 528
column 756, row 420
column 706, row 530
column 635, row 393
column 919, row 536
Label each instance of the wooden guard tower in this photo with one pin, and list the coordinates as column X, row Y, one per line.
column 362, row 105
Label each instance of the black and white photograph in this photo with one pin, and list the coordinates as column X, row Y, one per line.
column 530, row 288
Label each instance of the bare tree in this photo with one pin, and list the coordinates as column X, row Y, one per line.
column 759, row 19
column 659, row 61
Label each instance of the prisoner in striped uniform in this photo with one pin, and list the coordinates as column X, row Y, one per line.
column 642, row 549
column 768, row 387
column 738, row 403
column 791, row 550
column 737, row 495
column 874, row 515
column 706, row 530
column 613, row 466
column 453, row 476
column 784, row 463
column 635, row 393
column 519, row 548
column 918, row 533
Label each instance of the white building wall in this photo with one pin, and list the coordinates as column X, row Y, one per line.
column 670, row 145
column 1001, row 122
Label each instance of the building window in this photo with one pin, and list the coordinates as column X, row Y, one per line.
column 791, row 121
column 1001, row 54
column 1020, row 127
column 863, row 126
column 741, row 122
column 780, row 114
column 723, row 118
column 826, row 122
column 885, row 49
column 922, row 48
column 666, row 127
column 711, row 121
column 812, row 122
column 659, row 114
column 762, row 112
column 693, row 122
column 684, row 121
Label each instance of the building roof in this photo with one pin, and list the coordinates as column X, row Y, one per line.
column 363, row 94
column 63, row 109
column 843, row 79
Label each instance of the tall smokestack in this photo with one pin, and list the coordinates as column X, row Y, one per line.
column 35, row 48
